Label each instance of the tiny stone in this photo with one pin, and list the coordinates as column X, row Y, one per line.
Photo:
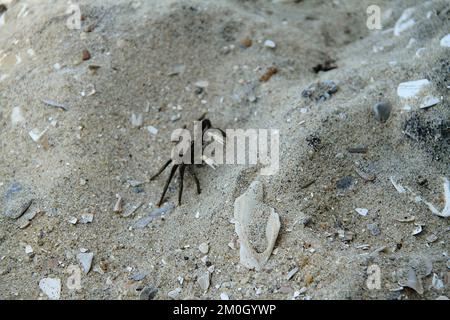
column 19, row 209
column 382, row 111
column 87, row 218
column 202, row 84
column 362, row 211
column 73, row 220
column 305, row 221
column 373, row 228
column 174, row 293
column 344, row 183
column 203, row 281
column 148, row 293
column 152, row 130
column 138, row 276
column 246, row 42
column 432, row 238
column 204, row 248
column 86, row 55
column 28, row 249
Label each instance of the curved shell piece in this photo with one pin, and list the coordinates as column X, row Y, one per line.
column 244, row 207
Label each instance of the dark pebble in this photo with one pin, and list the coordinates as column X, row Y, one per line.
column 344, row 183
column 148, row 293
column 382, row 111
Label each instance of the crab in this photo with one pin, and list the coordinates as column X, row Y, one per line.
column 206, row 125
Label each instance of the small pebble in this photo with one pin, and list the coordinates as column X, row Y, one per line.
column 152, row 130
column 202, row 84
column 373, row 228
column 432, row 238
column 148, row 293
column 86, row 218
column 203, row 281
column 382, row 111
column 246, row 42
column 86, row 55
column 174, row 293
column 28, row 250
column 204, row 248
column 73, row 220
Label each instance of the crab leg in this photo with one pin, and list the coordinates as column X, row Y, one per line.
column 161, row 170
column 172, row 172
column 180, row 192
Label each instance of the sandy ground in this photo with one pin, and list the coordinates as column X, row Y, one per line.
column 93, row 151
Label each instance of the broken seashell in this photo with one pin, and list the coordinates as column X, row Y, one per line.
column 406, row 219
column 118, row 206
column 413, row 282
column 397, row 186
column 417, row 230
column 245, row 207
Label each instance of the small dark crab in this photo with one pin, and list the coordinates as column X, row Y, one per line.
column 206, row 125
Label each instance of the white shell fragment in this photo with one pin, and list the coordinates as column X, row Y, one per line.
column 429, row 101
column 28, row 250
column 16, row 116
column 51, row 287
column 397, row 186
column 35, row 135
column 174, row 293
column 404, row 22
column 417, row 230
column 204, row 281
column 437, row 283
column 152, row 130
column 224, row 296
column 362, row 211
column 136, row 120
column 85, row 260
column 86, row 218
column 445, row 41
column 411, row 89
column 446, row 211
column 202, row 84
column 413, row 282
column 292, row 273
column 204, row 248
column 245, row 207
column 270, row 44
